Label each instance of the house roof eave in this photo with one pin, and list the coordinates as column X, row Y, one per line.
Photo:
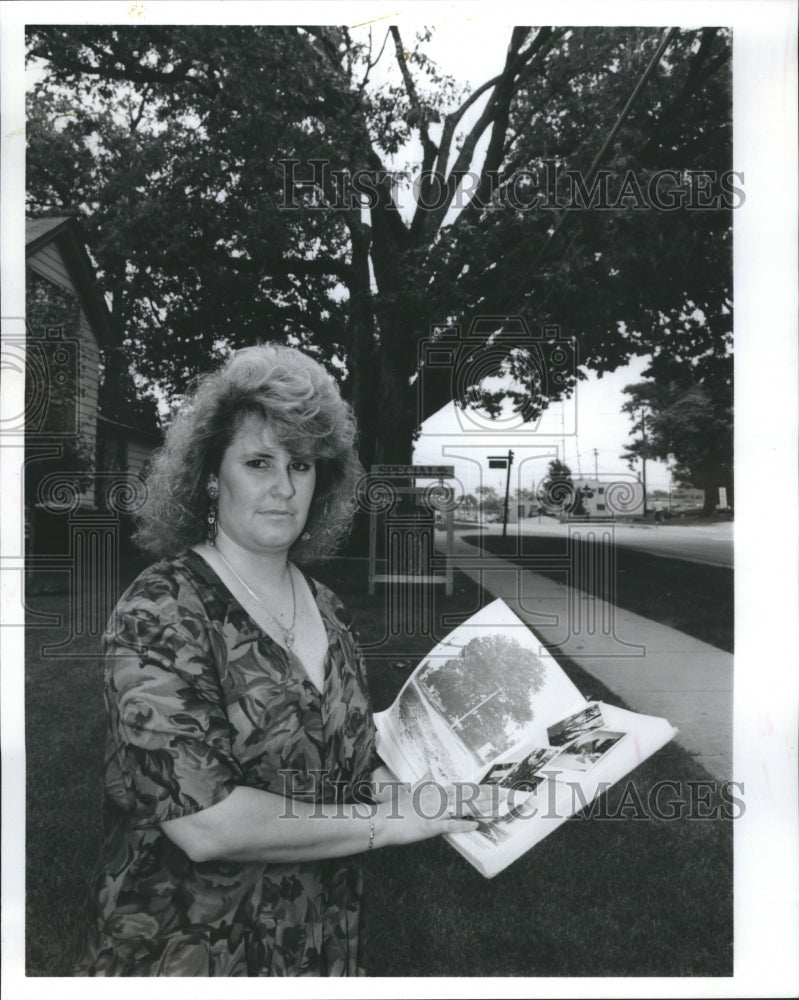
column 69, row 235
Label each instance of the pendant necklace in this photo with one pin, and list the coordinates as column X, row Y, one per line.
column 288, row 633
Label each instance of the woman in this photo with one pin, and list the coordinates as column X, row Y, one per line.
column 240, row 730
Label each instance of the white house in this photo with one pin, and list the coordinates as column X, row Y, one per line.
column 83, row 421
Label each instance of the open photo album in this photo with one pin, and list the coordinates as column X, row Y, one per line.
column 489, row 705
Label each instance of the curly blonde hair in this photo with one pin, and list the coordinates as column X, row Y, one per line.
column 302, row 410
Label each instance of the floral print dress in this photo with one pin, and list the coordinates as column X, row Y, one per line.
column 200, row 700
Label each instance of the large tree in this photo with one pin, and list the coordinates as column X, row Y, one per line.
column 688, row 420
column 174, row 145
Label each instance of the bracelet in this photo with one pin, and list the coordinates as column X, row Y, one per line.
column 371, row 834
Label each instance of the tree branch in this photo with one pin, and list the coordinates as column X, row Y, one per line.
column 702, row 68
column 429, row 148
column 494, row 114
column 114, row 64
column 371, row 63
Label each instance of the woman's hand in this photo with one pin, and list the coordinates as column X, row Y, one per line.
column 409, row 813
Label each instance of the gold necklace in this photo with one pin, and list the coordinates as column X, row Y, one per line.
column 288, row 633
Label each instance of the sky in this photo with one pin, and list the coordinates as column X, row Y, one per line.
column 447, row 439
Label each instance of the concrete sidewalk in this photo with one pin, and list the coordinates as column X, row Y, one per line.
column 654, row 669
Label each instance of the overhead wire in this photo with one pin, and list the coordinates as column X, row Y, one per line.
column 624, row 113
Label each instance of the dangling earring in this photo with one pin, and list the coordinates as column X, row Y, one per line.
column 306, row 535
column 213, row 495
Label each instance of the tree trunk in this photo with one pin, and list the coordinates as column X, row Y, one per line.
column 717, row 476
column 363, row 359
column 399, row 322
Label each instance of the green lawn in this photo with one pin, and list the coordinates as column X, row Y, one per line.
column 597, row 898
column 687, row 596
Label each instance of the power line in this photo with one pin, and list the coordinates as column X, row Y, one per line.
column 664, row 44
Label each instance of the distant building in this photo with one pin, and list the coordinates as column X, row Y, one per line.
column 592, row 492
column 518, row 509
column 83, row 421
column 686, row 498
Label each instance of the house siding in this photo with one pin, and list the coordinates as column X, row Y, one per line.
column 139, row 452
column 49, row 263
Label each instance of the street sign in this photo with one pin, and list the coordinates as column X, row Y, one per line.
column 418, row 471
column 503, row 462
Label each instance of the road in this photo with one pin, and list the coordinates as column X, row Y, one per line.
column 710, row 544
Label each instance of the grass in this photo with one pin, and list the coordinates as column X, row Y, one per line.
column 687, row 596
column 597, row 898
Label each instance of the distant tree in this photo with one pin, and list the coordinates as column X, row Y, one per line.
column 489, row 502
column 521, row 494
column 689, row 422
column 558, row 493
column 639, row 450
column 469, row 504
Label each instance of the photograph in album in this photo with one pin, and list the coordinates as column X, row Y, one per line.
column 525, row 775
column 582, row 722
column 586, row 751
column 490, row 705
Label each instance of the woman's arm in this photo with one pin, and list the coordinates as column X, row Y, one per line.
column 253, row 825
column 382, row 783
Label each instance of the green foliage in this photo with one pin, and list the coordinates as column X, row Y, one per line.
column 168, row 142
column 489, row 502
column 558, row 491
column 689, row 422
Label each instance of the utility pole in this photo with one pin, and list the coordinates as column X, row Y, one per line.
column 643, row 451
column 507, row 494
column 503, row 462
column 596, row 466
